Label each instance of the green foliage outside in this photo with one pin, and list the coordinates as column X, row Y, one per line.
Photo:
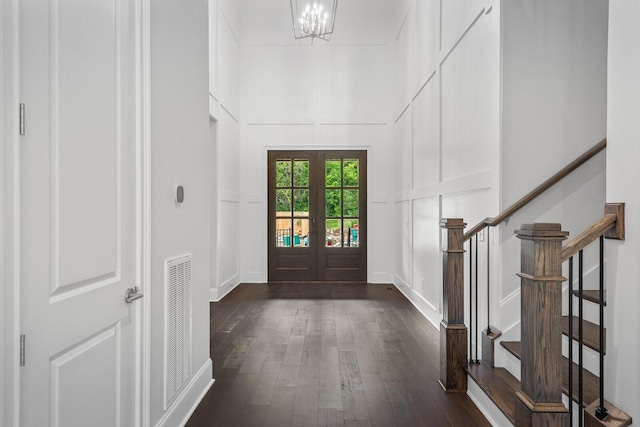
column 284, row 178
column 338, row 202
column 334, row 199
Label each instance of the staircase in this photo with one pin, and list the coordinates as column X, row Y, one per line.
column 546, row 373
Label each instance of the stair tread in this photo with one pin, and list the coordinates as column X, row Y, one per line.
column 590, row 382
column 591, row 295
column 591, row 333
column 498, row 384
column 616, row 417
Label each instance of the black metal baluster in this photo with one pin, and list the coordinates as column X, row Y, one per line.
column 470, row 301
column 601, row 411
column 580, row 334
column 571, row 341
column 476, row 331
column 488, row 285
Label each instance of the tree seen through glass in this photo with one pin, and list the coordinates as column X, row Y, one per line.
column 342, row 203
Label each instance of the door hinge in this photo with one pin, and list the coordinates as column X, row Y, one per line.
column 21, row 119
column 22, row 350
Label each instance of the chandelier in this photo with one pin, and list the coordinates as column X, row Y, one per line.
column 314, row 19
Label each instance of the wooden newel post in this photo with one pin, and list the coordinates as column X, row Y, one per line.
column 453, row 332
column 539, row 401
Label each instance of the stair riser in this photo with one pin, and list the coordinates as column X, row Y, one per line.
column 508, row 361
column 493, row 414
column 590, row 311
column 590, row 358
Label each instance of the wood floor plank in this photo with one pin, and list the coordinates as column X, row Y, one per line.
column 281, row 409
column 330, row 396
column 310, row 364
column 366, row 359
column 380, row 411
column 293, row 353
column 400, row 402
column 354, row 405
column 253, row 416
column 262, row 392
column 305, row 411
column 330, row 417
column 349, row 371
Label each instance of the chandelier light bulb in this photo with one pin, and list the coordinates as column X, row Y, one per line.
column 314, row 20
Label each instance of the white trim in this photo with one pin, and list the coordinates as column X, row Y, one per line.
column 427, row 310
column 378, row 277
column 215, row 295
column 228, row 196
column 508, row 298
column 179, row 412
column 144, row 233
column 2, row 219
column 254, row 277
column 491, row 412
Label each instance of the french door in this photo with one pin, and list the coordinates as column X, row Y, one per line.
column 317, row 215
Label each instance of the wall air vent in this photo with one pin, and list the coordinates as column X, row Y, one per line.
column 177, row 326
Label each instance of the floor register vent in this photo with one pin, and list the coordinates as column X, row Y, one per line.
column 177, row 326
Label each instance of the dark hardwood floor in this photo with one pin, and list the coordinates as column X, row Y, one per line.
column 326, row 355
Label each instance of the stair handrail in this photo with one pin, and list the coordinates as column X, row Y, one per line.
column 611, row 225
column 557, row 177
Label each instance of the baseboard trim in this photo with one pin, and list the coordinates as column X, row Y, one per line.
column 184, row 406
column 422, row 305
column 215, row 295
column 379, row 277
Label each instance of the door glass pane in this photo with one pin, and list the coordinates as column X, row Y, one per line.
column 351, row 235
column 301, row 202
column 283, row 233
column 283, row 203
column 283, row 173
column 334, row 233
column 333, row 177
column 301, row 232
column 351, row 172
column 351, row 202
column 333, row 203
column 301, row 173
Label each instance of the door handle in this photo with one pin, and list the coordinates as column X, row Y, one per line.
column 132, row 294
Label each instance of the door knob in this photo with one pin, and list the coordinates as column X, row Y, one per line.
column 132, row 294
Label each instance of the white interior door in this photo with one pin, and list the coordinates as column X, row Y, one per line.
column 78, row 212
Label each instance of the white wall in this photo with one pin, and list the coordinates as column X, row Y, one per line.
column 553, row 110
column 180, row 155
column 224, row 108
column 446, row 113
column 333, row 95
column 623, row 270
